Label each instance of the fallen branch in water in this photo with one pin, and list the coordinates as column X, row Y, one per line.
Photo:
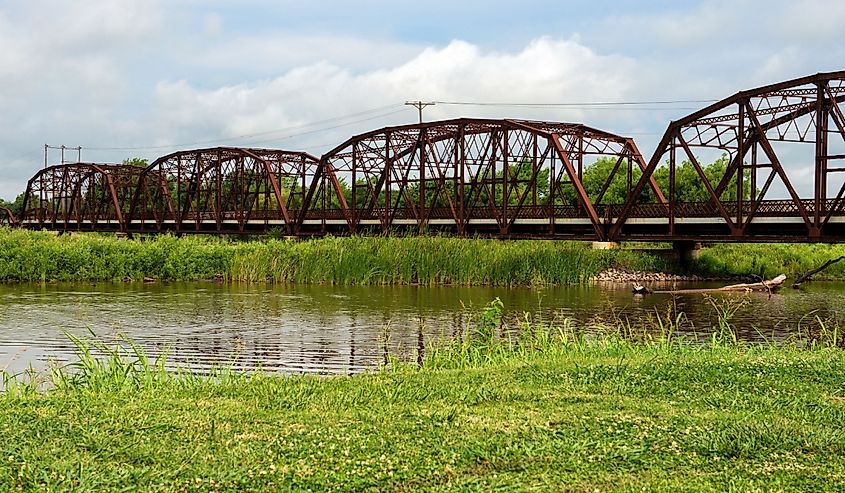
column 768, row 286
column 807, row 276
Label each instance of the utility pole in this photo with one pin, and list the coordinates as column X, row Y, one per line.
column 419, row 105
column 62, row 148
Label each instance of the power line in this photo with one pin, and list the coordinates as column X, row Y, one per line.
column 256, row 134
column 612, row 108
column 594, row 105
column 578, row 104
column 328, row 128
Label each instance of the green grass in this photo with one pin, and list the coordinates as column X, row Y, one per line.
column 552, row 409
column 769, row 260
column 43, row 256
column 426, row 260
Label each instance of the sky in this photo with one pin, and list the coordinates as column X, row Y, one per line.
column 134, row 78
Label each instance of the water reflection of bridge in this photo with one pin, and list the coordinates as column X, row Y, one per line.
column 497, row 178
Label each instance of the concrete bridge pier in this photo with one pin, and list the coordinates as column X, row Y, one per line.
column 686, row 252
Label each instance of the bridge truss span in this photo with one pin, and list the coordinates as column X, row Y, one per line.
column 777, row 174
column 223, row 190
column 79, row 196
column 773, row 138
column 7, row 217
column 469, row 176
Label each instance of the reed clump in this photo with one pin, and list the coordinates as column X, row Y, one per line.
column 491, row 338
column 43, row 256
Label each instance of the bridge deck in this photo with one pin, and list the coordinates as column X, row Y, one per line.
column 771, row 221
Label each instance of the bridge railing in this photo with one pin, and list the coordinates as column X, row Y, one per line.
column 768, row 208
column 45, row 217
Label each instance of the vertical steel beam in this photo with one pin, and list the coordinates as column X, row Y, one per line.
column 820, row 168
column 673, row 195
column 423, row 162
column 504, row 224
column 739, row 175
column 462, row 163
column 812, row 231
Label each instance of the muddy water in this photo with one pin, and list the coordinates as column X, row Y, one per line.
column 345, row 329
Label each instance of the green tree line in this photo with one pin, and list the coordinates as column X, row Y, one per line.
column 688, row 186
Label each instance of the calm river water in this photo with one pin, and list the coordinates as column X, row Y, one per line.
column 340, row 329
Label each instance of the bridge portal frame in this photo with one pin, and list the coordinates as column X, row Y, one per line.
column 7, row 217
column 78, row 197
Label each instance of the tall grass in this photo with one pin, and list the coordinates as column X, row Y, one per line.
column 770, row 260
column 425, row 260
column 491, row 339
column 44, row 256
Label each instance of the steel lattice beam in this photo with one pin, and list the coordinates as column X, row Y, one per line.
column 7, row 217
column 223, row 189
column 78, row 196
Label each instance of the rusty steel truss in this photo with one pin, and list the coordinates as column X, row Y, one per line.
column 79, row 196
column 500, row 178
column 222, row 190
column 771, row 135
column 466, row 177
column 7, row 217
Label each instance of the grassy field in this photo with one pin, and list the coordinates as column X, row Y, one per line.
column 43, row 256
column 557, row 411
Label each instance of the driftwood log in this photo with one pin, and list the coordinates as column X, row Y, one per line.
column 806, row 277
column 764, row 286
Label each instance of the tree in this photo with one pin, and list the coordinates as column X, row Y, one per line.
column 595, row 176
column 16, row 206
column 690, row 188
column 136, row 161
column 688, row 184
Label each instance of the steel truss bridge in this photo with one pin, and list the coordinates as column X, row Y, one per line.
column 482, row 177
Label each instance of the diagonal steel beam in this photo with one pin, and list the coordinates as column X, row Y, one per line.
column 713, row 197
column 812, row 230
column 579, row 188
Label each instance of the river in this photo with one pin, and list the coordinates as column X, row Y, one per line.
column 345, row 329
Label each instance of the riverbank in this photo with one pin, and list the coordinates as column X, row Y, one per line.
column 42, row 257
column 557, row 412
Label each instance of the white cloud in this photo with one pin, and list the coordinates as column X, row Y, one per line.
column 710, row 23
column 547, row 70
column 278, row 51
